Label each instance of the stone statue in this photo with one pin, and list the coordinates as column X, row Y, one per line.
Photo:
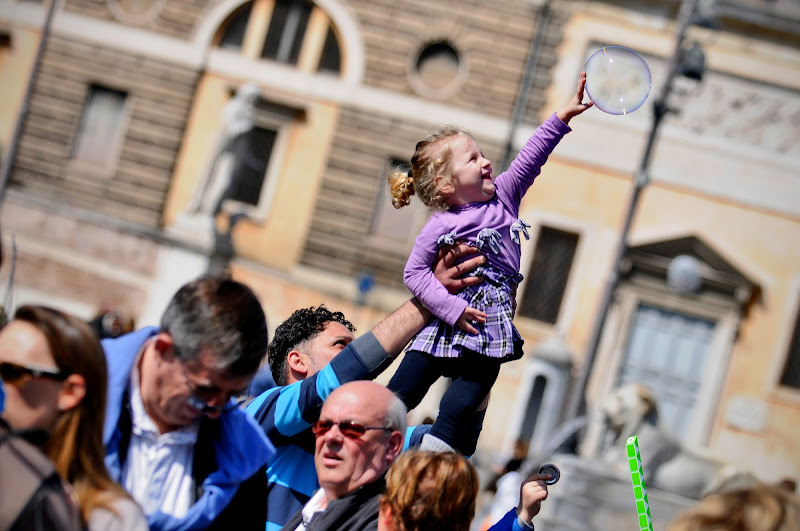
column 231, row 151
column 631, row 410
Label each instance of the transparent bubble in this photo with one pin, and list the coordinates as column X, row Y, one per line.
column 617, row 79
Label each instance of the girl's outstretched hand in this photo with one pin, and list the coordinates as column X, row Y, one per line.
column 575, row 106
column 470, row 316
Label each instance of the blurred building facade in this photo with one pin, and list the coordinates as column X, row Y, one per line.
column 124, row 117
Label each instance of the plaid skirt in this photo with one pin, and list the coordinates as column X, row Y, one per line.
column 496, row 338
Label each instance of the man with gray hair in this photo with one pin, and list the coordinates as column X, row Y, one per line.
column 175, row 437
column 359, row 434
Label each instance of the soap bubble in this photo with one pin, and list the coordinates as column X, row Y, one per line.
column 617, row 79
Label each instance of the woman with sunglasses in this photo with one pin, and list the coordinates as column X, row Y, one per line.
column 54, row 376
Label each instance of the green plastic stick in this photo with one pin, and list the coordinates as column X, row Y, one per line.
column 639, row 489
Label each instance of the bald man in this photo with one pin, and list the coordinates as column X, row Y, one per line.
column 359, row 434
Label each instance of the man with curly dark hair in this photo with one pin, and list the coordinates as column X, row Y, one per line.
column 294, row 350
column 313, row 353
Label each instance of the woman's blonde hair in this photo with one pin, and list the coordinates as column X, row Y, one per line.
column 76, row 443
column 431, row 158
column 431, row 490
column 757, row 508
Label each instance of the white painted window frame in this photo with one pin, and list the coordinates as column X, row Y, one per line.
column 115, row 145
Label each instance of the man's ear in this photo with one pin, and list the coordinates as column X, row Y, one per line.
column 163, row 345
column 396, row 441
column 72, row 392
column 298, row 364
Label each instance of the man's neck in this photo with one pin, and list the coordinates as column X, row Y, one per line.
column 323, row 502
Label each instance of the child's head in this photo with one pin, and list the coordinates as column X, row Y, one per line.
column 431, row 170
column 429, row 490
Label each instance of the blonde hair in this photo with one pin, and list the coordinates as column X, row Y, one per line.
column 757, row 508
column 431, row 158
column 75, row 444
column 430, row 490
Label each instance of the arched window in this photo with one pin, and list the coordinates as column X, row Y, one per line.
column 293, row 32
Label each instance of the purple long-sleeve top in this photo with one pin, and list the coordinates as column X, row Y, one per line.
column 466, row 222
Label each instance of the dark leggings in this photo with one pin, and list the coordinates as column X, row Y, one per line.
column 473, row 376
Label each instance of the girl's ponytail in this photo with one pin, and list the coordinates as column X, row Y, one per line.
column 401, row 186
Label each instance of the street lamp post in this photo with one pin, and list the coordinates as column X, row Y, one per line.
column 677, row 65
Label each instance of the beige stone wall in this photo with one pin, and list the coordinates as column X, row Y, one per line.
column 280, row 297
column 492, row 38
column 158, row 97
column 175, row 18
column 16, row 63
column 61, row 258
column 750, row 239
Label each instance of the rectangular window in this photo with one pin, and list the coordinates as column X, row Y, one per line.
column 253, row 156
column 667, row 352
column 791, row 371
column 548, row 274
column 287, row 27
column 100, row 127
column 400, row 224
column 5, row 46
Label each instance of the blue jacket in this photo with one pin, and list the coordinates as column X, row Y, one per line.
column 286, row 413
column 238, row 445
column 508, row 523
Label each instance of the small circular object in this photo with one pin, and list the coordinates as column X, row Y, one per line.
column 617, row 79
column 554, row 472
column 683, row 274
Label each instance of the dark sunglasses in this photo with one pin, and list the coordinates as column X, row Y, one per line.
column 17, row 375
column 349, row 429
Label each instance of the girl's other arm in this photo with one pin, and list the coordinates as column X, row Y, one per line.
column 469, row 316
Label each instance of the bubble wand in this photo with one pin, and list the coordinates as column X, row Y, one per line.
column 639, row 489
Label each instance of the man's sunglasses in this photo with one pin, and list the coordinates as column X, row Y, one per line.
column 17, row 375
column 349, row 429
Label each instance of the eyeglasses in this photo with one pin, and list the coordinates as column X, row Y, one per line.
column 198, row 403
column 349, row 429
column 202, row 395
column 18, row 375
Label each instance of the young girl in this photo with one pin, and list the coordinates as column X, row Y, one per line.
column 473, row 333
